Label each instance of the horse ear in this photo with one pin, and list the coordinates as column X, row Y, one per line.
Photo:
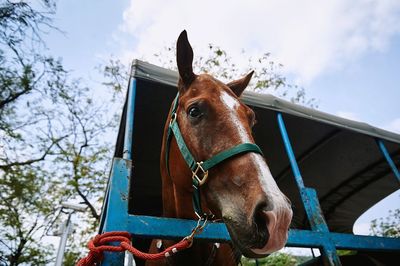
column 184, row 59
column 238, row 86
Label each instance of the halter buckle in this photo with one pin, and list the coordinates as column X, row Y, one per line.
column 173, row 119
column 195, row 174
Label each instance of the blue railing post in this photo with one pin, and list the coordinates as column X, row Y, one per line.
column 116, row 201
column 130, row 116
column 388, row 158
column 309, row 199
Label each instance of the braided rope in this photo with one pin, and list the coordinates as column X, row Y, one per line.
column 99, row 244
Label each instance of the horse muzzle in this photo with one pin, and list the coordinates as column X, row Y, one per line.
column 265, row 232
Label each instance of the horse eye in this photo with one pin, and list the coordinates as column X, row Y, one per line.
column 194, row 112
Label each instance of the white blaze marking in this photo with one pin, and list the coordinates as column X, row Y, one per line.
column 233, row 104
column 267, row 182
column 229, row 101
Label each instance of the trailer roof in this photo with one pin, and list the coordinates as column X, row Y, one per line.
column 147, row 71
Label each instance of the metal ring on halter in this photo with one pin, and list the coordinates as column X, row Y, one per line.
column 201, row 223
column 173, row 119
column 195, row 176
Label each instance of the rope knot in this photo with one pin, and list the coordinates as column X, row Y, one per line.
column 100, row 243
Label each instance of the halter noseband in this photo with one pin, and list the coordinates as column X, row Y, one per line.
column 199, row 168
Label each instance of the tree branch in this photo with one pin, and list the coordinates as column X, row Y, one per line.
column 31, row 161
column 87, row 202
column 13, row 97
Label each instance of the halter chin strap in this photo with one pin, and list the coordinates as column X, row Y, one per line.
column 199, row 168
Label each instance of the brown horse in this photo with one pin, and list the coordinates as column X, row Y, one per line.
column 240, row 190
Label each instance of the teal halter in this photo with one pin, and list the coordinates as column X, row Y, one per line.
column 200, row 169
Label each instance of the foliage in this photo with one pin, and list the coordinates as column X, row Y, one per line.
column 267, row 74
column 275, row 259
column 116, row 75
column 388, row 226
column 22, row 214
column 52, row 135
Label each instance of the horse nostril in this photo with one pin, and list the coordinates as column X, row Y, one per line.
column 260, row 219
column 265, row 219
column 271, row 227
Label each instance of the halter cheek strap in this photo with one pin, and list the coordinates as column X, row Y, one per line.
column 199, row 168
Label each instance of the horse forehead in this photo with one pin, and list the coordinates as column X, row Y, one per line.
column 208, row 85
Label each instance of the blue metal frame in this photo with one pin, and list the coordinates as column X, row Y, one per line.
column 115, row 215
column 130, row 118
column 116, row 212
column 388, row 158
column 115, row 209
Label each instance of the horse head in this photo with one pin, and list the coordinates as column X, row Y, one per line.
column 239, row 190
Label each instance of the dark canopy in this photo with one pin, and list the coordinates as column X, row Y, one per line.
column 338, row 157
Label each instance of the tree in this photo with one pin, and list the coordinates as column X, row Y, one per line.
column 23, row 181
column 52, row 138
column 23, row 72
column 22, row 213
column 388, row 226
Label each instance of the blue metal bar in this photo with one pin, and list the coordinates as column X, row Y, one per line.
column 313, row 209
column 290, row 153
column 308, row 195
column 171, row 228
column 130, row 116
column 388, row 158
column 116, row 210
column 310, row 201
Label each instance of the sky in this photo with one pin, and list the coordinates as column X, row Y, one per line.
column 346, row 54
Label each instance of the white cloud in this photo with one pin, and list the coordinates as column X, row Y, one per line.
column 308, row 37
column 348, row 115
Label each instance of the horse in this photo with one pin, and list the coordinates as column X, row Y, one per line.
column 212, row 155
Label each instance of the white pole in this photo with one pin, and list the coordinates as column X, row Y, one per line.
column 63, row 241
column 129, row 260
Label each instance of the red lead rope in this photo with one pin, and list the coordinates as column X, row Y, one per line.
column 98, row 245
